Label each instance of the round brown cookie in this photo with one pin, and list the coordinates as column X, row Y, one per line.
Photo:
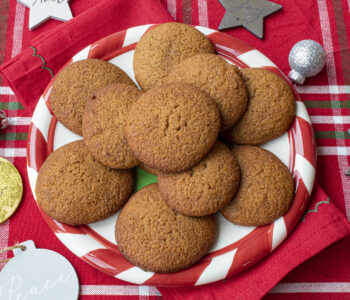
column 220, row 80
column 75, row 189
column 76, row 84
column 171, row 128
column 206, row 188
column 104, row 124
column 266, row 190
column 270, row 111
column 156, row 238
column 164, row 46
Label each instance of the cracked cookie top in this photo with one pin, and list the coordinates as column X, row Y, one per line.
column 172, row 127
column 204, row 189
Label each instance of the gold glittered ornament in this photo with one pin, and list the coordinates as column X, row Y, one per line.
column 11, row 189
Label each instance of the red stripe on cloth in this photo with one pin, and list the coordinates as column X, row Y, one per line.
column 195, row 13
column 326, row 112
column 187, row 11
column 179, row 16
column 306, row 296
column 343, row 40
column 4, row 11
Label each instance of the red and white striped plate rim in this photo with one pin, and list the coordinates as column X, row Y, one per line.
column 234, row 251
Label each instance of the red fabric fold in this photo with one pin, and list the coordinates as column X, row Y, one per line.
column 24, row 72
column 320, row 229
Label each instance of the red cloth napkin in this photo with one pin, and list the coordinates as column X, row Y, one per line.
column 322, row 225
column 24, row 73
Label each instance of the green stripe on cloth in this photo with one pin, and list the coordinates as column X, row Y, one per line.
column 327, row 104
column 11, row 105
column 332, row 135
column 13, row 136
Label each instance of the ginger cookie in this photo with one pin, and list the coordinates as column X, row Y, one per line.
column 75, row 189
column 204, row 189
column 104, row 124
column 156, row 238
column 76, row 84
column 266, row 190
column 270, row 111
column 163, row 47
column 220, row 80
column 171, row 128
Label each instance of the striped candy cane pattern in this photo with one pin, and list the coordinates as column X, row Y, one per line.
column 237, row 247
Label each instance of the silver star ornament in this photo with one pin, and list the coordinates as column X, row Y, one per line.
column 247, row 13
column 43, row 10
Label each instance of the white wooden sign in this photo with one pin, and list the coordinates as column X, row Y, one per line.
column 42, row 10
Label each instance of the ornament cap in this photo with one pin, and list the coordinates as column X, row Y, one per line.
column 296, row 76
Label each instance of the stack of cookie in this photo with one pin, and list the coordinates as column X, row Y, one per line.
column 189, row 98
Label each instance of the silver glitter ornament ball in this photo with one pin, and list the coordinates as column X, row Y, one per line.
column 307, row 58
